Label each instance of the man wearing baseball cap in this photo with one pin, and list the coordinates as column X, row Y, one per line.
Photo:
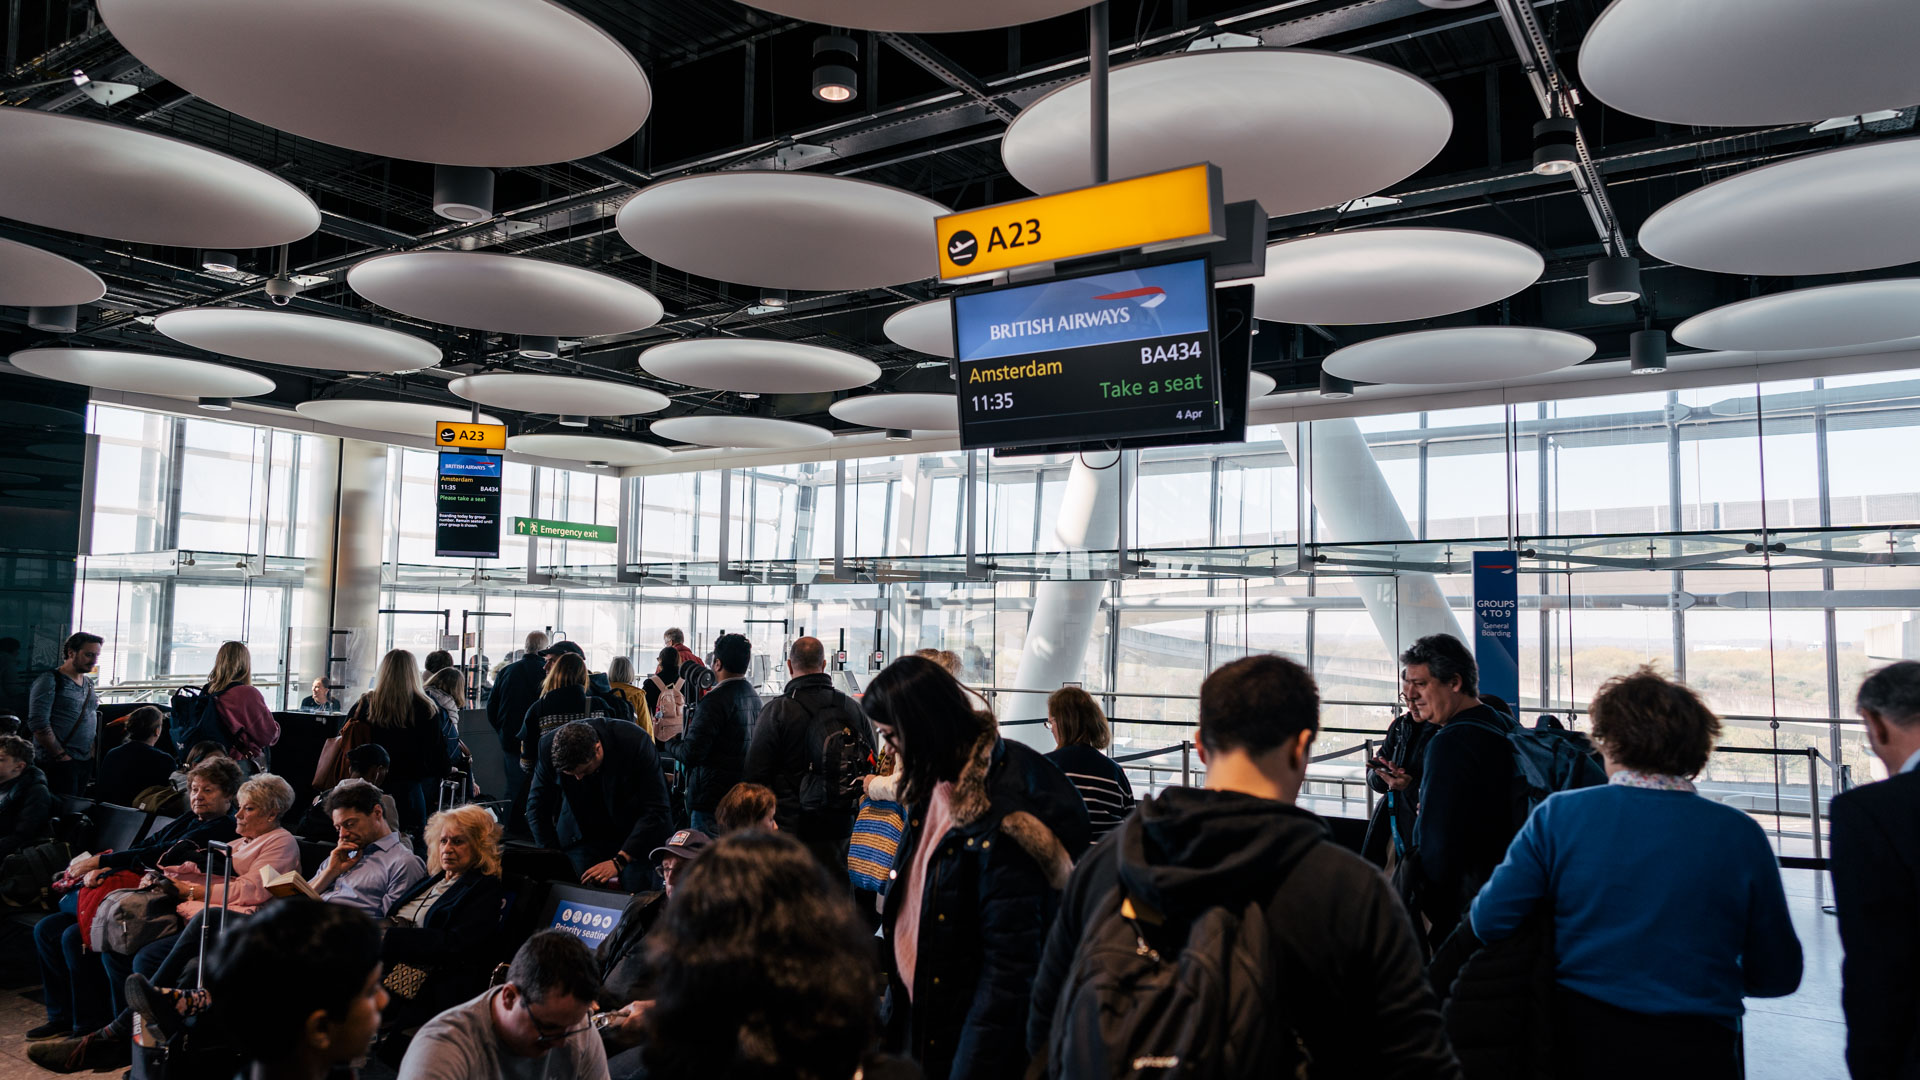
column 624, row 973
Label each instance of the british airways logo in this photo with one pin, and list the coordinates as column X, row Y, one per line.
column 1151, row 296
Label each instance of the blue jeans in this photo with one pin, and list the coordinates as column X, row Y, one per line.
column 706, row 823
column 74, row 981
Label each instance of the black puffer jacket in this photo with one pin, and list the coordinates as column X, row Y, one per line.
column 714, row 748
column 993, row 888
column 1405, row 745
column 1499, row 1000
column 1350, row 967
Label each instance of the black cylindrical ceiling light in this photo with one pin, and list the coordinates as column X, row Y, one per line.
column 895, row 434
column 54, row 320
column 462, row 192
column 220, row 262
column 1335, row 388
column 773, row 298
column 570, row 420
column 1613, row 279
column 834, row 79
column 536, row 347
column 216, row 404
column 1647, row 352
column 596, row 464
column 1553, row 151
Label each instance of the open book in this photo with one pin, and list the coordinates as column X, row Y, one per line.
column 286, row 884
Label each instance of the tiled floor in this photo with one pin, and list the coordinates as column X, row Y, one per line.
column 1802, row 1037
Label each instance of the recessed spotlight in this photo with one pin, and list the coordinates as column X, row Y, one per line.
column 1613, row 279
column 220, row 262
column 217, row 404
column 536, row 347
column 596, row 464
column 1647, row 352
column 569, row 420
column 747, row 396
column 1554, row 153
column 773, row 298
column 895, row 434
column 462, row 192
column 1335, row 388
column 834, row 80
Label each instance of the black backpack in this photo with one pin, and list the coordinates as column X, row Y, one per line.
column 1544, row 761
column 837, row 757
column 195, row 718
column 1134, row 1007
column 696, row 679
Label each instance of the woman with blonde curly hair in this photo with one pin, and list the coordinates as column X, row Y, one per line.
column 435, row 947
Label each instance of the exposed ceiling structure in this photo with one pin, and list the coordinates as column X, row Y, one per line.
column 729, row 92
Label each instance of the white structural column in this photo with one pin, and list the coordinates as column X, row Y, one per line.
column 348, row 497
column 1356, row 504
column 1065, row 612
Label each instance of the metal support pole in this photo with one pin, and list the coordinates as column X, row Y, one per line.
column 1813, row 799
column 1186, row 750
column 1364, row 784
column 1097, row 40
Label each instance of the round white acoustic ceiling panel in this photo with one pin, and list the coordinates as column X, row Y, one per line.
column 1390, row 275
column 1856, row 208
column 142, row 373
column 1832, row 316
column 785, row 230
column 911, row 412
column 1297, row 130
column 614, row 452
column 558, row 394
column 1736, row 63
column 102, row 179
column 752, row 366
column 291, row 339
column 507, row 294
column 478, row 82
column 30, row 277
column 926, row 327
column 1259, row 384
column 741, row 432
column 919, row 16
column 1459, row 354
column 415, row 418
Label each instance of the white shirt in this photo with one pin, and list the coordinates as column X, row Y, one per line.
column 1912, row 762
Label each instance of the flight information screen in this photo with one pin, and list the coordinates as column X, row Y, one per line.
column 467, row 524
column 1086, row 359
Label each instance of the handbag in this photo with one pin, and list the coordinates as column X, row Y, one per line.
column 91, row 897
column 877, row 830
column 331, row 768
column 128, row 920
column 405, row 981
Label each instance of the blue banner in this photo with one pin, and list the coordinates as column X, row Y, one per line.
column 1099, row 309
column 1496, row 609
column 585, row 921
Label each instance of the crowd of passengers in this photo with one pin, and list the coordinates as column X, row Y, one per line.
column 828, row 888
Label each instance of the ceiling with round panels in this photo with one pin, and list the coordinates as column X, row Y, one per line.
column 785, row 230
column 1856, row 313
column 141, row 373
column 617, row 453
column 414, row 418
column 1390, row 275
column 908, row 412
column 124, row 183
column 1856, row 208
column 741, row 432
column 919, row 16
column 557, row 394
column 30, row 277
column 1464, row 354
column 508, row 294
column 1737, row 63
column 758, row 367
column 500, row 82
column 1295, row 129
column 292, row 339
column 926, row 328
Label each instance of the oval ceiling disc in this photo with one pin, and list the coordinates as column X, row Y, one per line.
column 559, row 395
column 1832, row 316
column 102, row 179
column 1259, row 384
column 909, row 412
column 1737, row 63
column 292, row 339
column 1856, row 208
column 142, row 373
column 919, row 16
column 416, row 418
column 755, row 366
column 472, row 82
column 741, row 432
column 1297, row 130
column 1459, row 354
column 926, row 328
column 615, row 452
column 30, row 277
column 507, row 294
column 1390, row 275
column 785, row 230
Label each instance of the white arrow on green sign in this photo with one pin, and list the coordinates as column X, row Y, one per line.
column 565, row 530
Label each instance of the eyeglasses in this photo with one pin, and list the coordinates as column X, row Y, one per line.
column 544, row 1038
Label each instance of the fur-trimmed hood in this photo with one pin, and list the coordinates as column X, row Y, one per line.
column 1008, row 786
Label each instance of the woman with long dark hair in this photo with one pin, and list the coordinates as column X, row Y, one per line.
column 992, row 831
column 405, row 721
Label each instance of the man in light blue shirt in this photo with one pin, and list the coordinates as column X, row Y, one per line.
column 63, row 713
column 372, row 867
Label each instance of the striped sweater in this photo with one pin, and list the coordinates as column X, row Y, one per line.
column 1103, row 785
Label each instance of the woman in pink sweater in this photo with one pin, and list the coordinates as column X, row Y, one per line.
column 243, row 709
column 262, row 844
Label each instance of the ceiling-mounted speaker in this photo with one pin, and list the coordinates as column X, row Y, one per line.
column 462, row 192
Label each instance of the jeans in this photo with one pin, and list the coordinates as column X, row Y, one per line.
column 706, row 823
column 164, row 963
column 68, row 777
column 74, row 981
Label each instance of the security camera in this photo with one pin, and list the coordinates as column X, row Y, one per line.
column 281, row 290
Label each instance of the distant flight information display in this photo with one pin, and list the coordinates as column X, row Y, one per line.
column 1098, row 357
column 467, row 525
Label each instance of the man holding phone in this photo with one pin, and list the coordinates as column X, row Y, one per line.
column 1394, row 772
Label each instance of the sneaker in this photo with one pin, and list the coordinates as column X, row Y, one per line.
column 164, row 1011
column 96, row 1051
column 50, row 1029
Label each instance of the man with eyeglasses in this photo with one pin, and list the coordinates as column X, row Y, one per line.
column 538, row 1025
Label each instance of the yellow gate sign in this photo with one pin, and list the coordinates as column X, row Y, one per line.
column 1168, row 208
column 462, row 435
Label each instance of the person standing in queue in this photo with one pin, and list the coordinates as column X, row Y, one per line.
column 714, row 748
column 811, row 745
column 597, row 794
column 517, row 688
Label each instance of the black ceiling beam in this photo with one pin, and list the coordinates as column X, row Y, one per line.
column 934, row 63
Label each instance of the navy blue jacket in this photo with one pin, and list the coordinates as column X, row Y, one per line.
column 714, row 748
column 622, row 806
column 1876, row 889
column 517, row 688
column 1465, row 817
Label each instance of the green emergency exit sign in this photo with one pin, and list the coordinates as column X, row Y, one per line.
column 565, row 530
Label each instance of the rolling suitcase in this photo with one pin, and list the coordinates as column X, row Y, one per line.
column 196, row 1053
